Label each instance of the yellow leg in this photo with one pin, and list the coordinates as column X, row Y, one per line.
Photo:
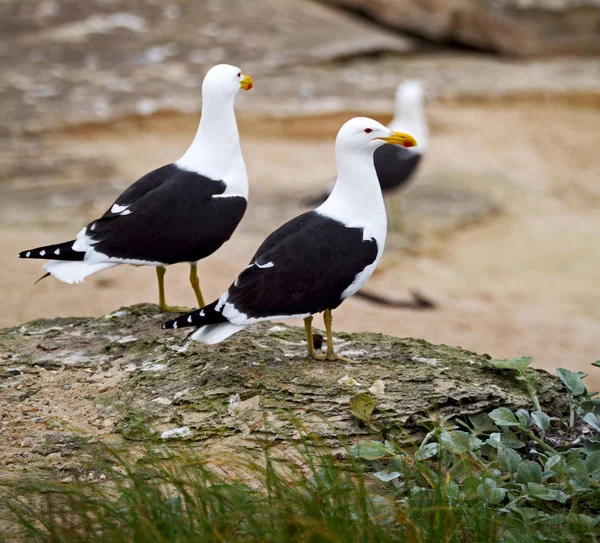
column 331, row 354
column 162, row 304
column 196, row 284
column 309, row 340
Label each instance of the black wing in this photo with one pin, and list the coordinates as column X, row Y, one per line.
column 171, row 217
column 303, row 267
column 395, row 166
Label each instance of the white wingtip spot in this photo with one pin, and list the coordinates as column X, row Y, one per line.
column 93, row 227
column 202, row 313
column 175, row 324
column 42, row 253
column 263, row 266
column 117, row 209
column 189, row 319
column 28, row 254
column 57, row 252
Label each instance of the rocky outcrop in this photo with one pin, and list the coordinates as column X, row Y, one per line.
column 122, row 379
column 515, row 27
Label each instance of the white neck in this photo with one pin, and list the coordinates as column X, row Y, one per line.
column 215, row 151
column 356, row 198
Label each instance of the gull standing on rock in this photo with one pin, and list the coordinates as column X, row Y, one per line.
column 181, row 212
column 314, row 262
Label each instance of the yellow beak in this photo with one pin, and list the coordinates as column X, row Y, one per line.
column 400, row 138
column 246, row 83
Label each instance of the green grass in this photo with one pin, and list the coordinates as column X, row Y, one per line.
column 183, row 499
column 517, row 477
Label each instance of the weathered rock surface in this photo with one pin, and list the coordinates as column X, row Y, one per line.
column 91, row 61
column 516, row 27
column 69, row 63
column 64, row 381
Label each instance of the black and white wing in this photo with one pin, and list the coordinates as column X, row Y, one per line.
column 302, row 268
column 170, row 215
column 395, row 166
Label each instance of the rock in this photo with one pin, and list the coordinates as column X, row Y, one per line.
column 88, row 63
column 27, row 442
column 515, row 27
column 242, row 392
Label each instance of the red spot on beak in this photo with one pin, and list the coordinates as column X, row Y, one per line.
column 250, row 86
column 408, row 144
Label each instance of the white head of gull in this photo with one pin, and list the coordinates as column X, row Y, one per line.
column 356, row 198
column 216, row 152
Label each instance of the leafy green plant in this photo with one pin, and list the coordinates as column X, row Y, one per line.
column 540, row 473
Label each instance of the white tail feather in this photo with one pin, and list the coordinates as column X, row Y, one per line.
column 215, row 333
column 75, row 271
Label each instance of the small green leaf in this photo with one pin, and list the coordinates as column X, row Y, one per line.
column 572, row 381
column 541, row 420
column 543, row 493
column 453, row 491
column 580, row 484
column 386, row 476
column 429, row 450
column 509, row 460
column 494, row 440
column 509, row 439
column 529, row 472
column 369, row 450
column 593, row 421
column 489, row 491
column 555, row 463
column 459, row 442
column 590, row 446
column 482, row 424
column 506, row 438
column 362, row 406
column 504, row 417
column 518, row 364
column 523, row 417
column 592, row 463
column 597, row 363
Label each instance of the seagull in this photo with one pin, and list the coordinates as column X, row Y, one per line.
column 397, row 165
column 181, row 212
column 317, row 260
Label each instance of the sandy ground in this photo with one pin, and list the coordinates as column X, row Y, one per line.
column 525, row 281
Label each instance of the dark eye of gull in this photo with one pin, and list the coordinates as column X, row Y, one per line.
column 239, row 74
column 368, row 130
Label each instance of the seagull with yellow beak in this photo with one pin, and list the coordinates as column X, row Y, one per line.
column 317, row 260
column 181, row 212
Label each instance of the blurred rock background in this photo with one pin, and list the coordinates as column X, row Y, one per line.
column 503, row 221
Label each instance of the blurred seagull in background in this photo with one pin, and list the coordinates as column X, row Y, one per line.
column 181, row 212
column 317, row 260
column 396, row 165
